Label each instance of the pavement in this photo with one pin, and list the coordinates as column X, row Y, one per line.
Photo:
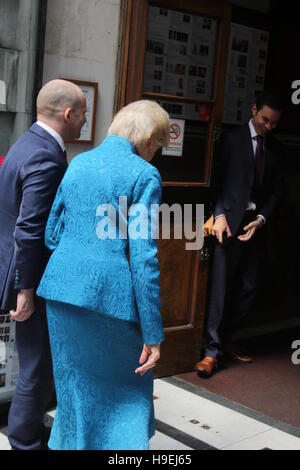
column 190, row 418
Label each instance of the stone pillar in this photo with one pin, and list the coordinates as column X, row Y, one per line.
column 18, row 51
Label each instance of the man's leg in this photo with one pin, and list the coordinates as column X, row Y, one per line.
column 34, row 385
column 251, row 277
column 225, row 263
column 216, row 303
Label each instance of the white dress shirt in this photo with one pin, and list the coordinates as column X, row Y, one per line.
column 54, row 134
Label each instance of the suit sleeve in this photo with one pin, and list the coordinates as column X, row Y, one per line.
column 40, row 177
column 277, row 186
column 143, row 256
column 224, row 163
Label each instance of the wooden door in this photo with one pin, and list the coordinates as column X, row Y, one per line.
column 184, row 273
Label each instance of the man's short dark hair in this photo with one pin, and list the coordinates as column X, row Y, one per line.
column 269, row 98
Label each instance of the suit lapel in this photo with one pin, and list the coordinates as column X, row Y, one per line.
column 246, row 144
column 266, row 160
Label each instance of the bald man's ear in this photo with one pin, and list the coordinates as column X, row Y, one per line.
column 67, row 114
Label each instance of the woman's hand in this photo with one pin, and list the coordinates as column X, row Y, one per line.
column 150, row 352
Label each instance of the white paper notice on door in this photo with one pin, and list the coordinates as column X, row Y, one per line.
column 175, row 147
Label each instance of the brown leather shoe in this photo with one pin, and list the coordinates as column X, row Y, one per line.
column 206, row 367
column 235, row 353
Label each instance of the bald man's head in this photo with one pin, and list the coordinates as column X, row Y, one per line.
column 56, row 96
column 62, row 105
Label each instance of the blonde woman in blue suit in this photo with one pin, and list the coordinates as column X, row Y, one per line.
column 103, row 310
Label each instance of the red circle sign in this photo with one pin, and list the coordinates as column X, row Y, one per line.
column 174, row 131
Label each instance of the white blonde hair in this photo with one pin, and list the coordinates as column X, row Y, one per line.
column 140, row 121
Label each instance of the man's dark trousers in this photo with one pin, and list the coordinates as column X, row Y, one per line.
column 237, row 273
column 34, row 385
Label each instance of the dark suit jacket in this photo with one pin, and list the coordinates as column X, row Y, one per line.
column 29, row 177
column 238, row 167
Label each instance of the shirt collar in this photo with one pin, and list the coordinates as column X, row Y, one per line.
column 54, row 134
column 252, row 130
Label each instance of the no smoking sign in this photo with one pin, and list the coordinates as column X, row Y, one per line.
column 176, row 138
column 174, row 131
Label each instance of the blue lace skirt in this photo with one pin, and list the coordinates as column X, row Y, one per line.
column 101, row 402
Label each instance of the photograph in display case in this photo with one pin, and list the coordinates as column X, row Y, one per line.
column 179, row 60
column 246, row 70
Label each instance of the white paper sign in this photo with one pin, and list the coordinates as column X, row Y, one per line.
column 176, row 138
column 245, row 71
column 2, row 92
column 180, row 56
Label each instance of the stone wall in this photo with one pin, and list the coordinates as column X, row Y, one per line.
column 18, row 48
column 82, row 44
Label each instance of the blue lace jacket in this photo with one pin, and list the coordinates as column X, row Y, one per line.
column 90, row 269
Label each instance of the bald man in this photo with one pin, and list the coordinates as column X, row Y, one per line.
column 29, row 178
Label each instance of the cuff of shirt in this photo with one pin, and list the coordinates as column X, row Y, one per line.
column 259, row 216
